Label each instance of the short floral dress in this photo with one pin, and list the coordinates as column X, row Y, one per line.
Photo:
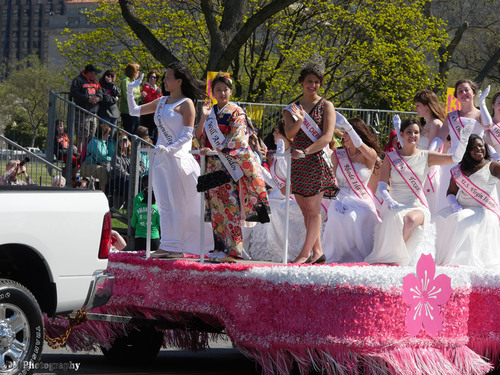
column 312, row 175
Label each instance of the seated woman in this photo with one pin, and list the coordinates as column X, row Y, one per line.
column 405, row 213
column 468, row 231
column 267, row 240
column 97, row 160
column 348, row 234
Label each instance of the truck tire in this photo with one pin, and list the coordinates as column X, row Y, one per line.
column 21, row 329
column 140, row 345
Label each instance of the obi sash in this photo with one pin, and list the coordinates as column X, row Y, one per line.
column 357, row 186
column 313, row 132
column 476, row 193
column 408, row 176
column 217, row 139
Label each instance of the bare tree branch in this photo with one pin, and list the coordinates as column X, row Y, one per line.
column 488, row 67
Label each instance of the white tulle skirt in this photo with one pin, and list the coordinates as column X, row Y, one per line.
column 469, row 237
column 348, row 237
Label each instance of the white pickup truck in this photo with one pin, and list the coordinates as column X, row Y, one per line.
column 54, row 245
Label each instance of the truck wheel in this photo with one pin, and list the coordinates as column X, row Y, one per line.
column 21, row 329
column 139, row 345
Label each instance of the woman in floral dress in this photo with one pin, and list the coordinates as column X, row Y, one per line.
column 311, row 123
column 241, row 195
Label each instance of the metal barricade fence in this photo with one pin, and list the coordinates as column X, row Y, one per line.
column 39, row 171
column 120, row 189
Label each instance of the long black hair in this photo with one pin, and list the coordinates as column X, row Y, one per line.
column 468, row 164
column 191, row 87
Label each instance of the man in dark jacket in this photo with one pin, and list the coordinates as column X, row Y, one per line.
column 86, row 93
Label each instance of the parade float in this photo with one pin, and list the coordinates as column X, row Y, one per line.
column 336, row 319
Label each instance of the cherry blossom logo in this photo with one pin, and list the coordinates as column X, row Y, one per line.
column 425, row 293
column 245, row 304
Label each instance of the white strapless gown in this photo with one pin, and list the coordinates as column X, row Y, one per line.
column 470, row 237
column 348, row 237
column 390, row 246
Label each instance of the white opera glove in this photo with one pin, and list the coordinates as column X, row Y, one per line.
column 492, row 152
column 342, row 123
column 160, row 148
column 485, row 115
column 280, row 161
column 452, row 200
column 464, row 139
column 133, row 108
column 186, row 136
column 435, row 144
column 396, row 121
column 339, row 207
column 384, row 193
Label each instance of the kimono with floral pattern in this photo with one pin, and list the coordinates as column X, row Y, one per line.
column 233, row 202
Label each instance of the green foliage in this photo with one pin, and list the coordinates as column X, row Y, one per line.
column 376, row 53
column 25, row 99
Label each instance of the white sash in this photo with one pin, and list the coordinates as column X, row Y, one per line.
column 408, row 175
column 313, row 131
column 357, row 186
column 474, row 191
column 163, row 129
column 280, row 183
column 495, row 132
column 217, row 139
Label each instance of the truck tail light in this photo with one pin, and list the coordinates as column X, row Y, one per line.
column 105, row 237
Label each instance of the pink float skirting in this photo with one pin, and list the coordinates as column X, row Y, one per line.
column 345, row 319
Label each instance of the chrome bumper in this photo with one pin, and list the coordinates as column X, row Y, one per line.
column 100, row 291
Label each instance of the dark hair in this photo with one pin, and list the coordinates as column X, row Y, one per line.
column 468, row 164
column 191, row 87
column 151, row 72
column 102, row 130
column 109, row 73
column 224, row 78
column 281, row 127
column 430, row 99
column 366, row 135
column 145, row 183
column 410, row 121
column 312, row 69
column 493, row 100
column 472, row 84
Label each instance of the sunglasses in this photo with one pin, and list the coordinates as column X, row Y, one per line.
column 155, row 77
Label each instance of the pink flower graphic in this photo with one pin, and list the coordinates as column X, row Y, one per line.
column 425, row 294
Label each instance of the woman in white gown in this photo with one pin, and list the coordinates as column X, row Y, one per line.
column 267, row 240
column 175, row 171
column 428, row 107
column 405, row 213
column 349, row 230
column 468, row 230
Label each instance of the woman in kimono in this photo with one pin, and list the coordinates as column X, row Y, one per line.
column 234, row 183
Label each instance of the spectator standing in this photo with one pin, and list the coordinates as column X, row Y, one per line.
column 150, row 92
column 108, row 108
column 130, row 123
column 86, row 93
column 97, row 160
column 139, row 219
column 61, row 147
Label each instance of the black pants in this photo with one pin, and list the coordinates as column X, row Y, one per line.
column 140, row 244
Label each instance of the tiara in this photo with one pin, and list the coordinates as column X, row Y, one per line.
column 315, row 62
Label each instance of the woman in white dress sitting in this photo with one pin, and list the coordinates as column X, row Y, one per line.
column 267, row 240
column 349, row 230
column 405, row 213
column 468, row 230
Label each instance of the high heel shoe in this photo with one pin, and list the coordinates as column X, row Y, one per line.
column 308, row 260
column 320, row 260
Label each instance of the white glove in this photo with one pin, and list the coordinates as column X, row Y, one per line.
column 186, row 136
column 160, row 148
column 397, row 126
column 342, row 123
column 464, row 139
column 279, row 161
column 452, row 200
column 339, row 207
column 485, row 115
column 133, row 108
column 492, row 152
column 384, row 193
column 435, row 144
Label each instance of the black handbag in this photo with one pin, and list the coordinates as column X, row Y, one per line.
column 212, row 180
